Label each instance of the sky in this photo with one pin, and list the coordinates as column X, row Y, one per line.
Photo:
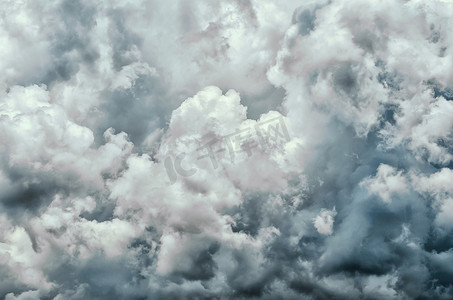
column 242, row 149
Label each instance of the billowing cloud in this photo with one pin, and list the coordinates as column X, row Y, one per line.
column 226, row 150
column 324, row 221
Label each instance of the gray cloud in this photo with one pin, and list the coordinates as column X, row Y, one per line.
column 345, row 195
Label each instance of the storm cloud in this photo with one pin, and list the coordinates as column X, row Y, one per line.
column 226, row 149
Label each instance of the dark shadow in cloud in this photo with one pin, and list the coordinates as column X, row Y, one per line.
column 28, row 196
column 203, row 267
column 305, row 19
column 61, row 70
column 439, row 90
column 144, row 106
column 390, row 80
column 104, row 208
column 122, row 39
column 345, row 79
column 270, row 99
column 249, row 214
column 31, row 191
column 8, row 283
column 104, row 278
column 245, row 284
column 375, row 253
column 367, row 41
column 77, row 20
column 388, row 116
column 435, row 35
column 437, row 242
column 309, row 288
column 441, row 270
column 137, row 111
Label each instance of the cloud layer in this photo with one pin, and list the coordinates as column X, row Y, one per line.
column 226, row 150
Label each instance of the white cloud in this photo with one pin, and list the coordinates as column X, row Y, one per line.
column 387, row 182
column 324, row 221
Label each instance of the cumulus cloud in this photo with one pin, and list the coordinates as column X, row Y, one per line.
column 324, row 221
column 226, row 150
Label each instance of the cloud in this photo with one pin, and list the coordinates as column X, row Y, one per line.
column 387, row 183
column 230, row 149
column 324, row 221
